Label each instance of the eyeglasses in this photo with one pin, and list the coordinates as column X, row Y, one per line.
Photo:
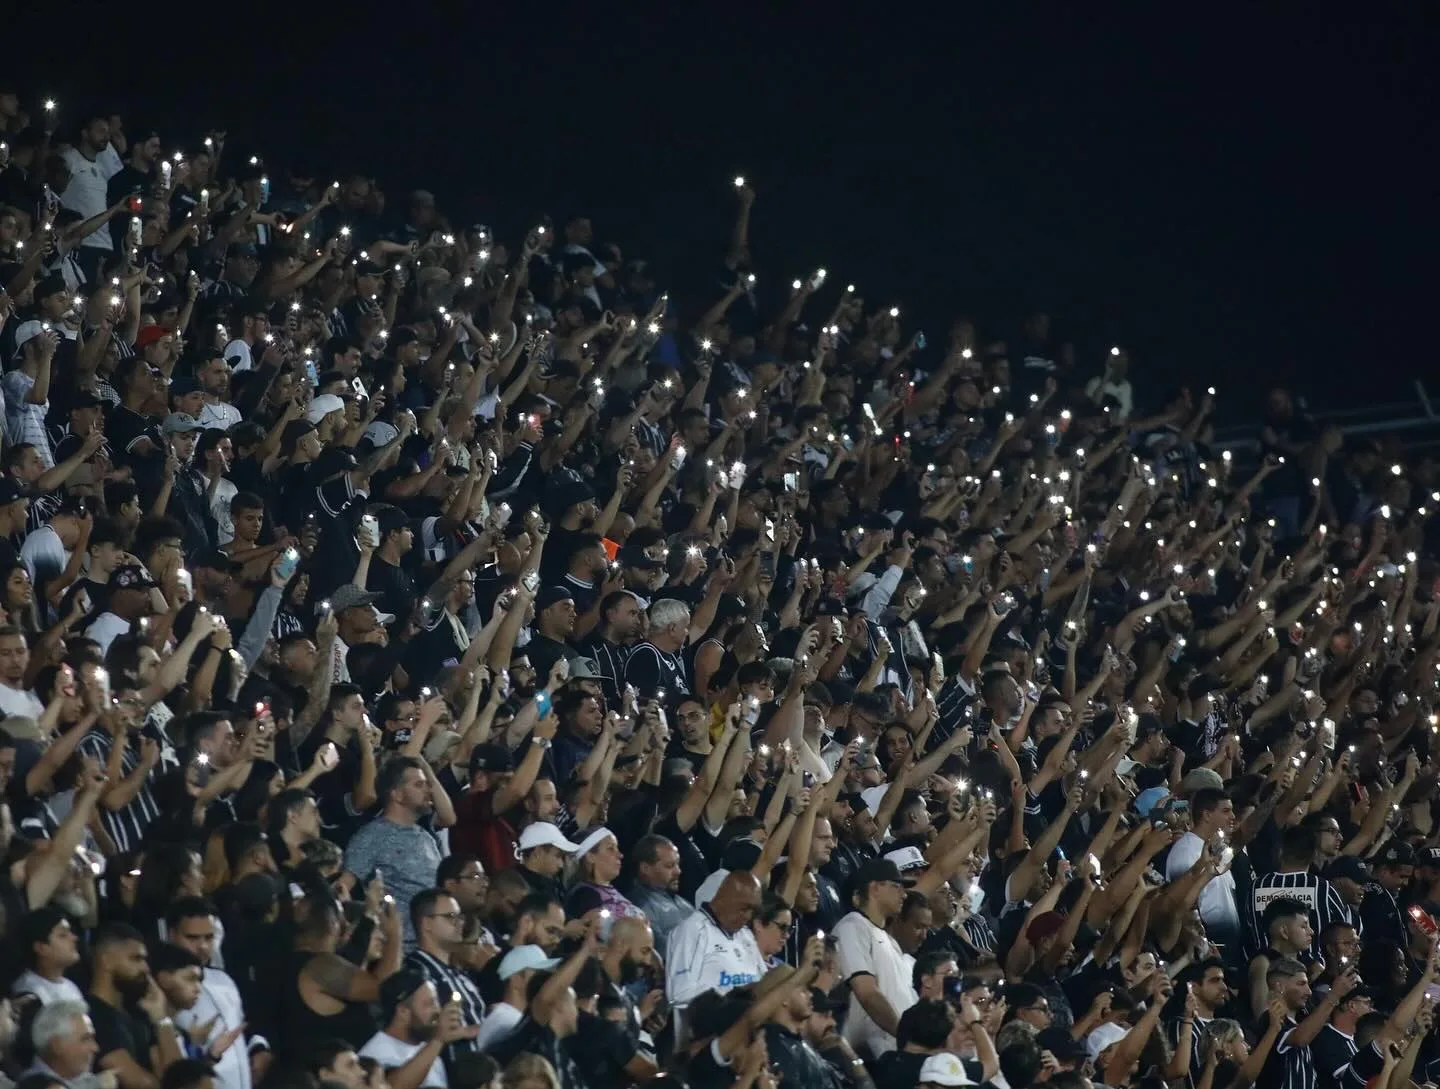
column 453, row 916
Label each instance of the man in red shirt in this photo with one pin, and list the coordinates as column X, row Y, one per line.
column 486, row 812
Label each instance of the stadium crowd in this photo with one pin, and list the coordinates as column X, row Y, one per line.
column 436, row 660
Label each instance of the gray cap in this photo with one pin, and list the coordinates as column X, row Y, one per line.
column 180, row 422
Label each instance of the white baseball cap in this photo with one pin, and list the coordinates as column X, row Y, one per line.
column 322, row 406
column 525, row 958
column 1107, row 1035
column 944, row 1069
column 545, row 834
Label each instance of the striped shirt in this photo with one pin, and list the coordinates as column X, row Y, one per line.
column 449, row 982
column 127, row 825
column 953, row 700
column 1198, row 1035
column 25, row 422
column 979, row 933
column 610, row 659
column 1318, row 895
column 1289, row 1065
column 1332, row 1050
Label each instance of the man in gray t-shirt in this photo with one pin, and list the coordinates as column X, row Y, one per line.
column 395, row 844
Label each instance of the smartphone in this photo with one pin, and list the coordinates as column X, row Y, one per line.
column 289, row 560
column 370, row 526
column 677, row 459
column 792, row 482
column 752, row 710
column 531, row 581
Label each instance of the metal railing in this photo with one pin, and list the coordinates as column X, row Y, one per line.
column 1413, row 417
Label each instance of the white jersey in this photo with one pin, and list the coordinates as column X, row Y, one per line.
column 703, row 957
column 220, row 1006
column 862, row 948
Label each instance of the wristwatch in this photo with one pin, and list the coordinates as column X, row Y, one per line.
column 543, row 742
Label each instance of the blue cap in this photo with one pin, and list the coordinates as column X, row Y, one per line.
column 1148, row 799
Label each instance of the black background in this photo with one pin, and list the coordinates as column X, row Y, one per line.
column 1227, row 191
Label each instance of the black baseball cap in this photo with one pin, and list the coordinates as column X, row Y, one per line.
column 397, row 989
column 1396, row 854
column 491, row 757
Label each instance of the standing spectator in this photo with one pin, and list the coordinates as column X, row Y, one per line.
column 87, row 193
column 396, row 846
column 871, row 961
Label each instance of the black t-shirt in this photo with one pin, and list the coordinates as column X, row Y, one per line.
column 555, row 560
column 125, row 429
column 127, row 181
column 706, row 1071
column 600, row 1049
column 901, row 1069
column 539, row 1040
column 395, row 585
column 694, row 866
column 800, row 1064
column 120, row 1030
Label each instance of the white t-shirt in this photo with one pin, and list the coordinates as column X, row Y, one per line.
column 104, row 629
column 862, row 948
column 500, row 1021
column 1217, row 898
column 44, row 556
column 392, row 1054
column 86, row 194
column 702, row 957
column 220, row 1003
column 1097, row 389
column 21, row 702
column 109, row 161
column 237, row 354
column 47, row 991
column 221, row 415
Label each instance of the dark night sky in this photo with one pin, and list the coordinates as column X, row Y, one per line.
column 1248, row 190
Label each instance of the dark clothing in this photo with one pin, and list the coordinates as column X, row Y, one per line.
column 1288, row 1067
column 1332, row 1051
column 300, row 1025
column 121, row 1030
column 798, row 1063
column 600, row 1049
column 540, row 1040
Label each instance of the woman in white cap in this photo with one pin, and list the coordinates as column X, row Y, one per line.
column 597, row 865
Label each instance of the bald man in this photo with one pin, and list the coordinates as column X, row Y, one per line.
column 714, row 949
column 629, row 957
